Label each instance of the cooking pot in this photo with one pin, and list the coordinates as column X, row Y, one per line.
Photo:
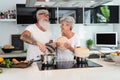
column 48, row 59
column 81, row 54
column 49, row 56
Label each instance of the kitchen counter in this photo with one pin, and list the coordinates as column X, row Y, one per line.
column 13, row 54
column 109, row 71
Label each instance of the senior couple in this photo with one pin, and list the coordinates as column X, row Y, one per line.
column 38, row 34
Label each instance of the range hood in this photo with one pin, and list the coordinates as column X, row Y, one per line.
column 65, row 3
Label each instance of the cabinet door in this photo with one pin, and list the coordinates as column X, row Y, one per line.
column 52, row 13
column 77, row 13
column 25, row 15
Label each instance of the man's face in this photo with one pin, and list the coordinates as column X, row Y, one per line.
column 43, row 16
column 43, row 20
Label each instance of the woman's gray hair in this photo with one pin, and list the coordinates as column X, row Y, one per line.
column 42, row 11
column 69, row 20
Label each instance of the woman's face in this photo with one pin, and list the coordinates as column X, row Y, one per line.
column 65, row 27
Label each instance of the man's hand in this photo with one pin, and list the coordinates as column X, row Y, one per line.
column 41, row 46
column 57, row 44
column 53, row 44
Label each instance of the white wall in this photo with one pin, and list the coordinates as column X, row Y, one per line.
column 84, row 32
column 116, row 27
column 9, row 5
column 8, row 28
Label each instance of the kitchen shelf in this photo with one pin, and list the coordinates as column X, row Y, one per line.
column 4, row 20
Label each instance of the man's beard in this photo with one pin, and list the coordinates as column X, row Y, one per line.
column 44, row 24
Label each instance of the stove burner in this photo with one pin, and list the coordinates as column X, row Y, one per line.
column 81, row 60
column 68, row 65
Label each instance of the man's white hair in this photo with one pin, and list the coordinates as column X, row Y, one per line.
column 69, row 20
column 42, row 11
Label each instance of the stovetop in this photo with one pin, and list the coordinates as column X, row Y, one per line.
column 67, row 65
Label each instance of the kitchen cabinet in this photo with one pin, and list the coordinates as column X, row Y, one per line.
column 108, row 14
column 26, row 15
column 75, row 12
column 52, row 14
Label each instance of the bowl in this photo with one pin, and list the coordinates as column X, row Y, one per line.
column 7, row 50
column 116, row 59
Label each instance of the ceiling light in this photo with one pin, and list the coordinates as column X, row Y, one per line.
column 92, row 1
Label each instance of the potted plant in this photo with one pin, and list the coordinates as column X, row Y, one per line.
column 89, row 43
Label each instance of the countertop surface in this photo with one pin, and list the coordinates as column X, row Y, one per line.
column 109, row 71
column 13, row 54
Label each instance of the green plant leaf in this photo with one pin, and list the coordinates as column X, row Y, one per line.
column 106, row 12
column 89, row 42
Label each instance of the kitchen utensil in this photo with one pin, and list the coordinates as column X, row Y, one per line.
column 81, row 52
column 62, row 40
column 48, row 59
column 50, row 48
column 49, row 56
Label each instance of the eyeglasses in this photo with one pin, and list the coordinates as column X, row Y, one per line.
column 44, row 14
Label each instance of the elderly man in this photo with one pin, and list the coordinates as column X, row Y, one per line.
column 36, row 35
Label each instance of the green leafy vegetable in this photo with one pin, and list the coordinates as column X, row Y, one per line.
column 7, row 63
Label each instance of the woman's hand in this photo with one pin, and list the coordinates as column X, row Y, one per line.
column 41, row 46
column 67, row 45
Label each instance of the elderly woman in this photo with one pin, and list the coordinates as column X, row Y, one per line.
column 66, row 31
